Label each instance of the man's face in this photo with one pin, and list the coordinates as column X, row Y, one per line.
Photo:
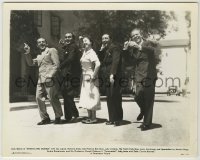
column 136, row 36
column 105, row 39
column 68, row 38
column 41, row 44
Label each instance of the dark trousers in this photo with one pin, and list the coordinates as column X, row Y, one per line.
column 114, row 102
column 69, row 106
column 145, row 99
column 68, row 91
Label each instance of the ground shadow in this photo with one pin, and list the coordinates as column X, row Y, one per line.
column 124, row 122
column 79, row 119
column 76, row 120
column 99, row 120
column 165, row 101
column 137, row 122
column 153, row 126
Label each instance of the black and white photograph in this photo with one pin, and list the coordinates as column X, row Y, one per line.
column 100, row 79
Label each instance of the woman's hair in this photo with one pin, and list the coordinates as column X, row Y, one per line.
column 88, row 37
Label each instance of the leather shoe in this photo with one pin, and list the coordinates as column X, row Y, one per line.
column 85, row 120
column 68, row 119
column 76, row 115
column 57, row 121
column 89, row 121
column 144, row 127
column 140, row 117
column 109, row 123
column 116, row 123
column 44, row 121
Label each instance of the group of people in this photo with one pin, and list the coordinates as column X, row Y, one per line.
column 64, row 72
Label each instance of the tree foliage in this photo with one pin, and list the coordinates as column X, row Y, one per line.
column 22, row 30
column 188, row 20
column 120, row 23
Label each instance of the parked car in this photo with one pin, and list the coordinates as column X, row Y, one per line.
column 173, row 90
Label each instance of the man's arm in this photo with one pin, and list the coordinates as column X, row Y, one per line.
column 56, row 62
column 147, row 47
column 28, row 56
column 154, row 49
column 116, row 55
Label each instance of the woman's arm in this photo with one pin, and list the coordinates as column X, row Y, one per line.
column 97, row 63
column 96, row 69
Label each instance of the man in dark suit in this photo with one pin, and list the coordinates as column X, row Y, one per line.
column 145, row 56
column 111, row 67
column 70, row 71
column 48, row 63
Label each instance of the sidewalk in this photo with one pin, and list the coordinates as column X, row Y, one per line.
column 32, row 104
column 170, row 114
column 125, row 98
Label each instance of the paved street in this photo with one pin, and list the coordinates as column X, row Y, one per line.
column 171, row 126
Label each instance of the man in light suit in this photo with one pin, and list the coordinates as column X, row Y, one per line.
column 48, row 63
column 111, row 68
column 145, row 56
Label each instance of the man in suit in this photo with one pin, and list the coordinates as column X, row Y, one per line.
column 145, row 56
column 48, row 63
column 71, row 72
column 111, row 67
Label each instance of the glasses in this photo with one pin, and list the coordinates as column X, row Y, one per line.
column 68, row 37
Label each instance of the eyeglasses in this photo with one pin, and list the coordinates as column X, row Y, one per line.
column 68, row 36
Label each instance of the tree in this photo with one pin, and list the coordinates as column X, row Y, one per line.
column 22, row 29
column 188, row 20
column 120, row 23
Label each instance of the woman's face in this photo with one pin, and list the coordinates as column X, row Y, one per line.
column 86, row 43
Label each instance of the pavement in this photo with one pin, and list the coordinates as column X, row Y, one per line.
column 170, row 121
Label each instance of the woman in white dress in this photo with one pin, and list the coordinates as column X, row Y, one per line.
column 89, row 96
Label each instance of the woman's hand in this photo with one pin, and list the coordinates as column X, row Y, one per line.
column 92, row 78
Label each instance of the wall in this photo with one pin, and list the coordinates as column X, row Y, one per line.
column 173, row 65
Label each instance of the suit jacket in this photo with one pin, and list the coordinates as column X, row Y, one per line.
column 145, row 60
column 111, row 63
column 70, row 60
column 48, row 63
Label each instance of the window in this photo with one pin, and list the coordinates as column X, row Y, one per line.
column 55, row 26
column 38, row 18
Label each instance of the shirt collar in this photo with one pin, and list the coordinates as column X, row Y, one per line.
column 141, row 42
column 86, row 52
column 45, row 51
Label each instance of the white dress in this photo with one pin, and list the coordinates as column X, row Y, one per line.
column 89, row 96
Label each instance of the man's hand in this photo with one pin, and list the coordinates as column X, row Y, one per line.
column 48, row 76
column 126, row 45
column 35, row 60
column 26, row 48
column 102, row 47
column 133, row 44
column 112, row 79
column 61, row 41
